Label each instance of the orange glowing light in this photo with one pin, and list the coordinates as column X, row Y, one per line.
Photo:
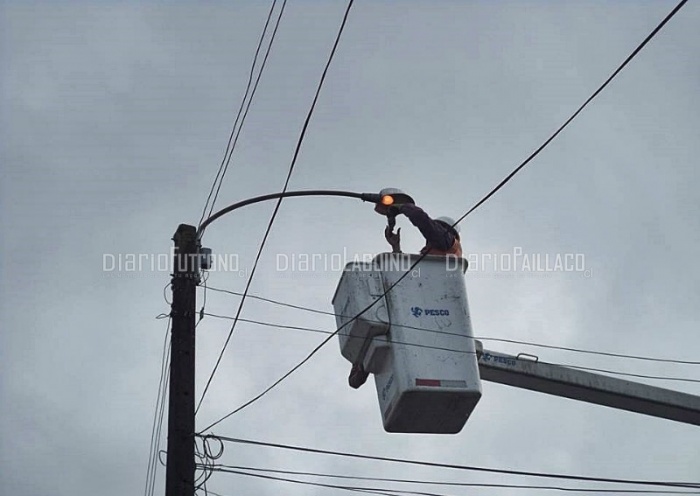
column 387, row 200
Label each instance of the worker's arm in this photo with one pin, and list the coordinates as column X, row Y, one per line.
column 435, row 234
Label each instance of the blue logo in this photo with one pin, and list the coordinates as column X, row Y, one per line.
column 418, row 311
column 488, row 357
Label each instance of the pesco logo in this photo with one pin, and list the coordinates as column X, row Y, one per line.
column 418, row 311
column 488, row 357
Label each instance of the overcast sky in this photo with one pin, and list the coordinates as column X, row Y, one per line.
column 114, row 118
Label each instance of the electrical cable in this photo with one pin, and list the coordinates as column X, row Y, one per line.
column 482, row 201
column 578, row 111
column 204, row 277
column 161, row 415
column 449, row 484
column 206, row 466
column 240, row 109
column 327, row 486
column 481, row 338
column 407, row 461
column 165, row 293
column 245, row 114
column 158, row 415
column 417, row 345
column 279, row 201
column 367, row 490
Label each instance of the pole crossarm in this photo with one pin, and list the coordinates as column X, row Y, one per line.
column 599, row 389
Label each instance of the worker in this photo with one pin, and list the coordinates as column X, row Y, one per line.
column 441, row 234
column 441, row 238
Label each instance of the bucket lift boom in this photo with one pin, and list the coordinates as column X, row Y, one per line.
column 559, row 380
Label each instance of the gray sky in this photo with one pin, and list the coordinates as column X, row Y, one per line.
column 114, row 119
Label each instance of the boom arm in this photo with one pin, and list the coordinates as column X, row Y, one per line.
column 586, row 386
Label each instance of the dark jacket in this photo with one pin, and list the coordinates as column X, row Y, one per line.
column 439, row 238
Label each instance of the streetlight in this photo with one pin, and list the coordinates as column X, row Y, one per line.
column 189, row 258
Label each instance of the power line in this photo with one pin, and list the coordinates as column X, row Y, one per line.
column 575, row 114
column 160, row 419
column 366, row 490
column 407, row 461
column 279, row 201
column 417, row 345
column 245, row 114
column 208, row 460
column 229, row 147
column 483, row 200
column 156, row 429
column 240, row 469
column 481, row 338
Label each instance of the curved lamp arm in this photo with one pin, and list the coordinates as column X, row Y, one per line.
column 368, row 197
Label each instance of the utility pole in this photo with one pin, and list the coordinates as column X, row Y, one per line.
column 179, row 475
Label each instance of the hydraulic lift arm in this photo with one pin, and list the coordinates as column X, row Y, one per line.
column 586, row 386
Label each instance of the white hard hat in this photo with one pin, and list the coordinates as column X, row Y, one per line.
column 449, row 221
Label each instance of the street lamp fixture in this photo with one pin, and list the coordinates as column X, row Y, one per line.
column 389, row 197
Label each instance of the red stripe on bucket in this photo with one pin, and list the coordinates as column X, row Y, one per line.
column 428, row 382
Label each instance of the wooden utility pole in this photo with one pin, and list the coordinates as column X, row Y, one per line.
column 179, row 475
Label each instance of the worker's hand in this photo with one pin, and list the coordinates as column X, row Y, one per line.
column 393, row 238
